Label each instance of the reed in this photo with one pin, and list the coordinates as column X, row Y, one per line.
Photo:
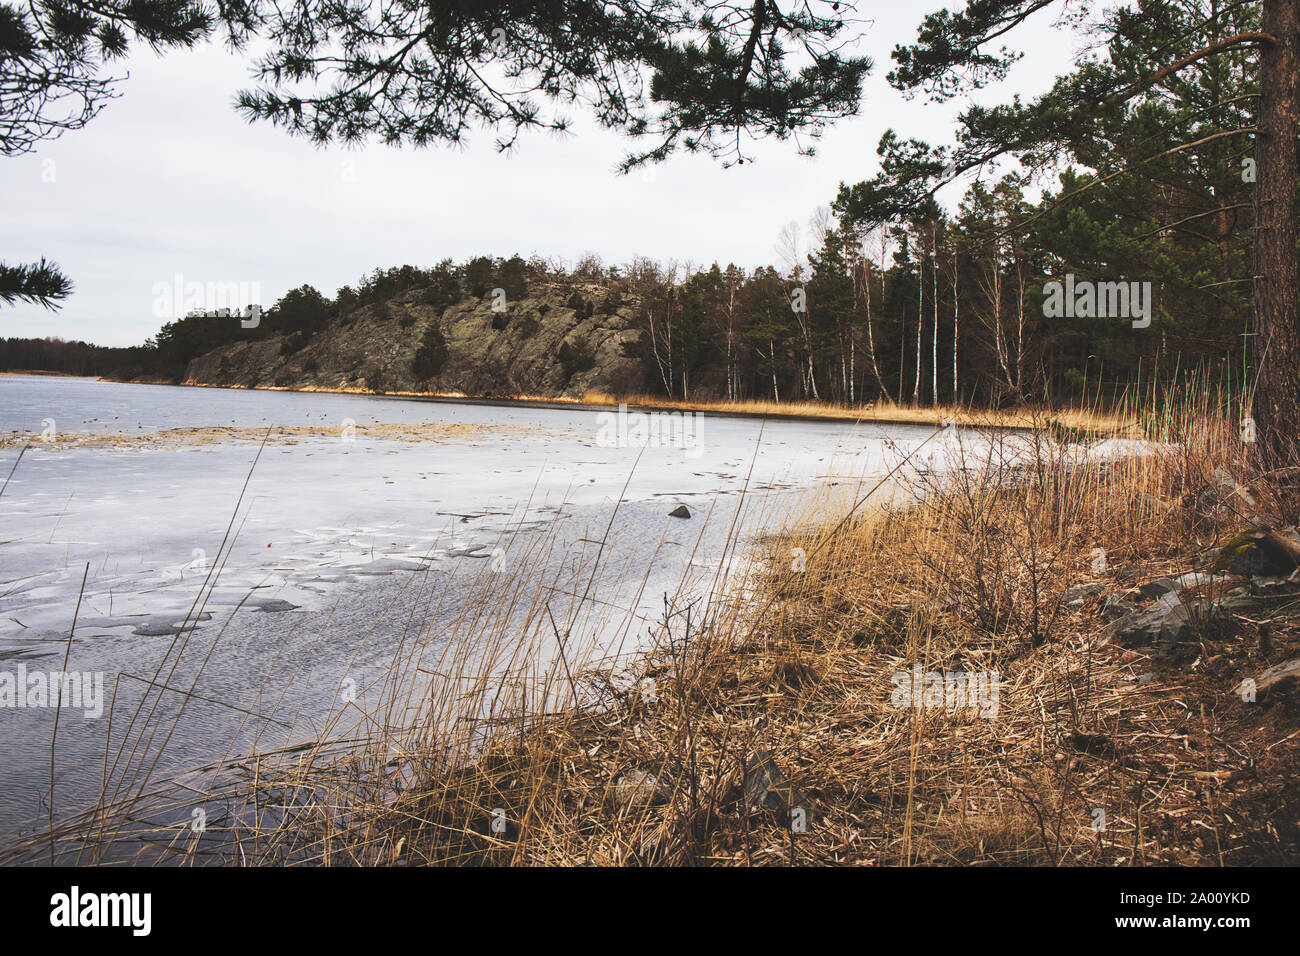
column 491, row 742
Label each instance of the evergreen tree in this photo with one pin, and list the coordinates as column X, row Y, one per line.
column 1188, row 52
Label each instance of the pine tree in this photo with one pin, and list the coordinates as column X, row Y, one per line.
column 1091, row 108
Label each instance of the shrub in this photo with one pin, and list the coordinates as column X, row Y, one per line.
column 612, row 302
column 576, row 356
column 582, row 308
column 292, row 343
column 513, row 277
column 442, row 295
column 589, row 267
column 431, row 354
column 300, row 310
column 480, row 274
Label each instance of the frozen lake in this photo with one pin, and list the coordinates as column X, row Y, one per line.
column 362, row 524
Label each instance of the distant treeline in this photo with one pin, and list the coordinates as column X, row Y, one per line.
column 71, row 358
column 932, row 311
column 933, row 308
column 1104, row 260
column 925, row 306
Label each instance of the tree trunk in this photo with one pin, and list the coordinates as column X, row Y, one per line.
column 1275, row 345
column 920, row 321
column 1020, row 329
column 776, row 392
column 902, row 354
column 934, row 338
column 871, row 338
column 954, row 327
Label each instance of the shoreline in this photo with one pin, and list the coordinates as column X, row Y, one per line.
column 1092, row 424
column 39, row 373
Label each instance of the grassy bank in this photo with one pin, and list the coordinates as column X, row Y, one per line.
column 769, row 729
column 1092, row 420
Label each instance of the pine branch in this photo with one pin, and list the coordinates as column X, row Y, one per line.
column 40, row 283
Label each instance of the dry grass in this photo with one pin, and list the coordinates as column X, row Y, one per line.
column 424, row 432
column 494, row 749
column 1093, row 420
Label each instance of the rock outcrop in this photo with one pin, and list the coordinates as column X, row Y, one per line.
column 563, row 338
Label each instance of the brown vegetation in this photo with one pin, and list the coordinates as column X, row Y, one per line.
column 764, row 730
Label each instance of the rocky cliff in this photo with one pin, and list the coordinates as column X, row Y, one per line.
column 561, row 338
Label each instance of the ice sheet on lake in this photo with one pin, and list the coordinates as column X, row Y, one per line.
column 331, row 554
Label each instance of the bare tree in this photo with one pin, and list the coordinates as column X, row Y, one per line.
column 920, row 310
column 727, row 317
column 788, row 251
column 955, row 301
column 934, row 343
column 661, row 332
column 881, row 232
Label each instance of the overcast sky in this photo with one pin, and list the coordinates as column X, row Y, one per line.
column 170, row 180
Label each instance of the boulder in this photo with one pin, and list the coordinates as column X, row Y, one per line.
column 1196, row 579
column 1274, row 586
column 1154, row 590
column 1116, row 607
column 681, row 511
column 273, row 605
column 1278, row 677
column 640, row 789
column 1242, row 601
column 1076, row 596
column 1165, row 624
column 765, row 785
column 1260, row 552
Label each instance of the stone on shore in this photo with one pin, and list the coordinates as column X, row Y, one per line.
column 1078, row 595
column 640, row 789
column 766, row 785
column 1277, row 678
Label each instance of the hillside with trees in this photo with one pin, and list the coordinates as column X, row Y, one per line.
column 926, row 284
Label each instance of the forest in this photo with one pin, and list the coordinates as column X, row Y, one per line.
column 927, row 284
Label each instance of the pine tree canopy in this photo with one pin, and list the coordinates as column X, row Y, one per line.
column 696, row 75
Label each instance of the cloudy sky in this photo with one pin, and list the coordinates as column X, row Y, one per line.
column 169, row 180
